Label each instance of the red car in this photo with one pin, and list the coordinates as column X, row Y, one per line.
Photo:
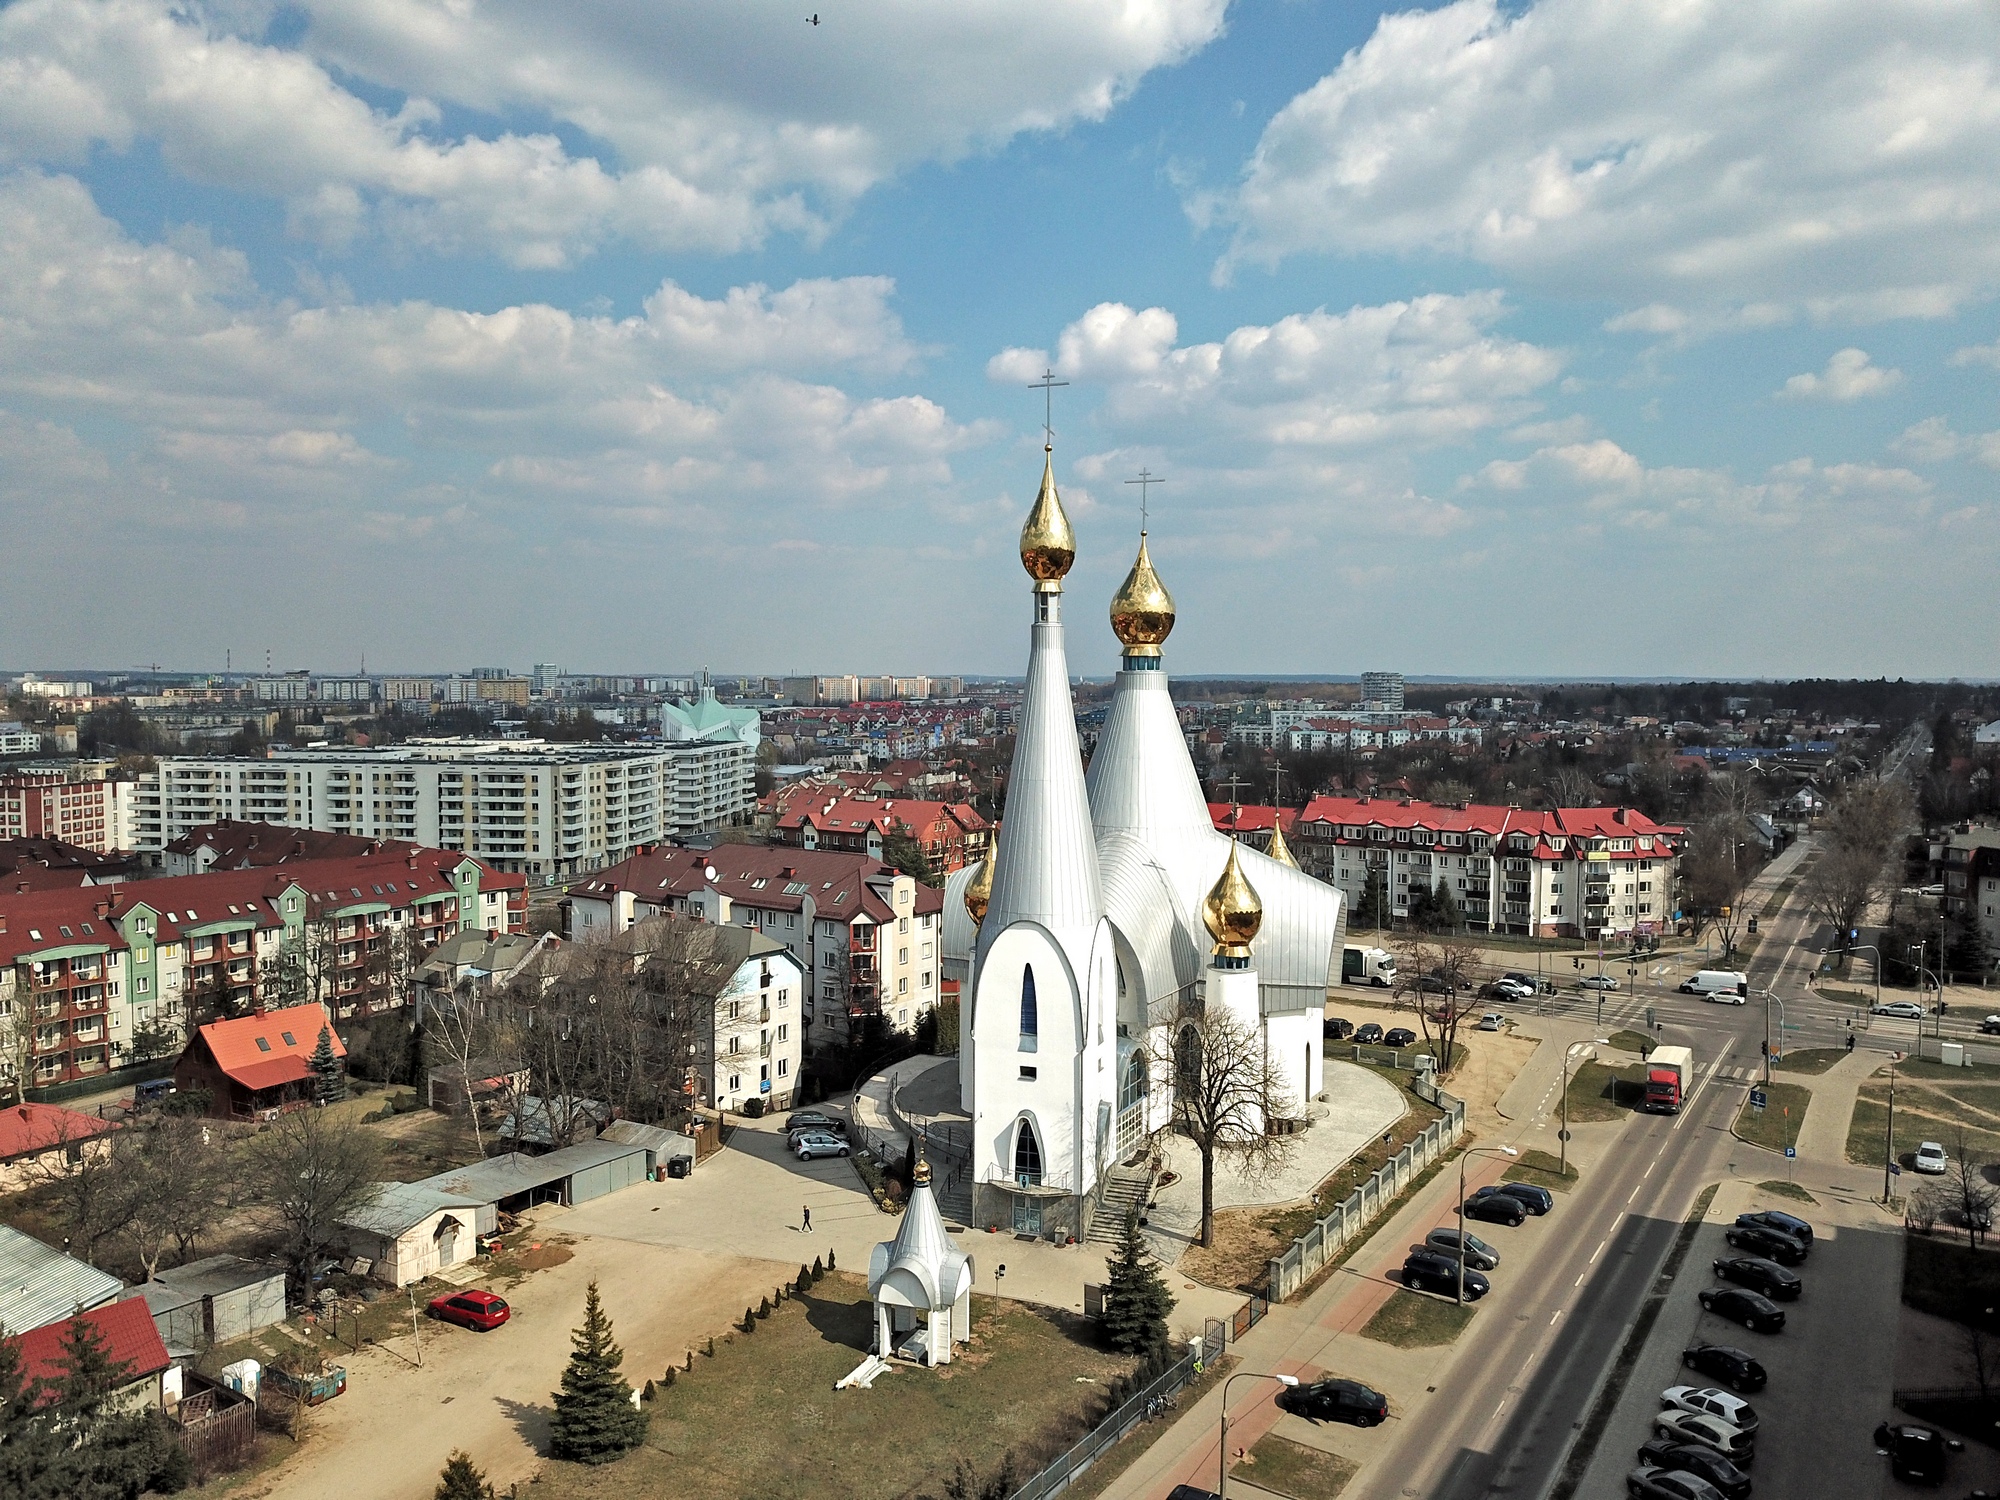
column 480, row 1311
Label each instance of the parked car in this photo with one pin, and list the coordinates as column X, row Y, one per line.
column 1398, row 1036
column 1685, row 1458
column 1492, row 1021
column 1768, row 1277
column 812, row 1119
column 1990, row 1026
column 1496, row 1208
column 814, row 1143
column 1784, row 1223
column 1734, row 1367
column 1368, row 1034
column 481, row 1311
column 1931, row 1160
column 1477, row 1251
column 1649, row 1482
column 1191, row 1492
column 1909, row 1010
column 1916, row 1453
column 1338, row 1028
column 1773, row 1244
column 1425, row 1271
column 1599, row 982
column 1753, row 1310
column 1433, row 984
column 1733, row 1409
column 1515, row 986
column 1336, row 1400
column 1704, row 1431
column 1536, row 1200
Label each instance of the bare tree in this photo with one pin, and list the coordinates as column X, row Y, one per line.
column 1228, row 1092
column 1571, row 786
column 1863, row 829
column 1436, row 976
column 1974, row 1195
column 167, row 1183
column 459, row 1032
column 78, row 1167
column 310, row 1171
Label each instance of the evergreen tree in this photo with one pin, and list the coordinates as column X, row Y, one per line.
column 595, row 1420
column 462, row 1480
column 1136, row 1299
column 329, row 1082
column 1374, row 903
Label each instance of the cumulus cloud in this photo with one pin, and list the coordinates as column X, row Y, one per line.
column 1978, row 354
column 1932, row 441
column 703, row 127
column 1826, row 156
column 1849, row 375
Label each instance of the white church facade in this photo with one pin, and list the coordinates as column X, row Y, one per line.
column 1081, row 940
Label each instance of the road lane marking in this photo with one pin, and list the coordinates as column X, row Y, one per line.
column 1649, row 1166
column 1635, row 1190
column 1558, row 1314
column 1579, row 1280
column 1598, row 1251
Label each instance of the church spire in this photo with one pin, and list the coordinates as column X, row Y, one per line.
column 1142, row 611
column 1279, row 849
column 1048, row 545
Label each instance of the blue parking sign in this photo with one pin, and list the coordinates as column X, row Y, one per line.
column 1791, row 1152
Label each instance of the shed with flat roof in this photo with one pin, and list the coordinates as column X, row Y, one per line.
column 40, row 1285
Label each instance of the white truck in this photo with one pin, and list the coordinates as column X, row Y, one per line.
column 1669, row 1076
column 1724, row 986
column 1371, row 966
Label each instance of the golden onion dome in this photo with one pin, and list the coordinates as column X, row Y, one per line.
column 1142, row 611
column 921, row 1177
column 1279, row 849
column 1232, row 911
column 1048, row 546
column 979, row 891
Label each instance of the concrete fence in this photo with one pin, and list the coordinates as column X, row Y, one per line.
column 1325, row 1239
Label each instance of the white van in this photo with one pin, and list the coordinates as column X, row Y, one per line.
column 1723, row 986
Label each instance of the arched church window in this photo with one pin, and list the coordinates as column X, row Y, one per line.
column 1132, row 1087
column 1027, row 1156
column 1187, row 1063
column 1030, row 1013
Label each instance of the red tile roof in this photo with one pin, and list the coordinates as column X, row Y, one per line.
column 263, row 1052
column 126, row 1329
column 760, row 876
column 26, row 1129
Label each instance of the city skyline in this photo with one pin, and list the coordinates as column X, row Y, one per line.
column 337, row 331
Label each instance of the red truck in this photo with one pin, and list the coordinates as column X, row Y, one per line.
column 1669, row 1076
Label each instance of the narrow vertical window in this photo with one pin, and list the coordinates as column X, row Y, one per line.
column 1030, row 1014
column 1027, row 1156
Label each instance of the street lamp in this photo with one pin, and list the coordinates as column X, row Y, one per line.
column 1568, row 1053
column 1222, row 1459
column 1464, row 1156
column 1769, row 996
column 1889, row 1133
column 1868, row 948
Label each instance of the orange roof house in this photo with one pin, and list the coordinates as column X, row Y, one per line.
column 256, row 1063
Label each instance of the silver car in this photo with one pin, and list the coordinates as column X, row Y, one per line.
column 817, row 1143
column 1706, row 1431
column 1909, row 1010
column 1733, row 1409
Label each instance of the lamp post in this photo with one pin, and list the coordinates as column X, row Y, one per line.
column 1769, row 996
column 1222, row 1458
column 1889, row 1134
column 1463, row 1157
column 1868, row 948
column 1568, row 1053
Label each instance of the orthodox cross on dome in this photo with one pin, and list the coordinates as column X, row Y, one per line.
column 1235, row 785
column 1277, row 782
column 1145, row 481
column 1047, row 386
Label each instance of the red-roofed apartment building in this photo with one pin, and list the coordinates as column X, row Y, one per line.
column 868, row 937
column 127, row 1331
column 951, row 834
column 255, row 1064
column 1564, row 872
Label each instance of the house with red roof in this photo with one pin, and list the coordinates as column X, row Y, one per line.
column 951, row 834
column 130, row 1339
column 34, row 1137
column 255, row 1064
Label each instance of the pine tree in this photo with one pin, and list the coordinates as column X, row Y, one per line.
column 462, row 1480
column 595, row 1420
column 329, row 1083
column 1374, row 910
column 1136, row 1299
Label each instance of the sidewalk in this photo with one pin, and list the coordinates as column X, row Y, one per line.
column 1823, row 1137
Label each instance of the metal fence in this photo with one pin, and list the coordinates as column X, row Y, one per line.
column 1319, row 1244
column 1069, row 1467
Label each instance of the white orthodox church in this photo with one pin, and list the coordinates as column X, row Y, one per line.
column 1110, row 908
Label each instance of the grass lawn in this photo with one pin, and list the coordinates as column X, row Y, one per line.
column 1600, row 1093
column 1933, row 1103
column 762, row 1419
column 1413, row 1320
column 1810, row 1059
column 1544, row 1170
column 1942, row 1277
column 1288, row 1468
column 1631, row 1041
column 1785, row 1189
column 1777, row 1126
column 1854, row 998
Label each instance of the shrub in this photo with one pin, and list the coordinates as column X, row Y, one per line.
column 818, row 1269
column 804, row 1281
column 749, row 1323
column 753, row 1108
column 829, row 1260
column 764, row 1307
column 647, row 1393
column 670, row 1377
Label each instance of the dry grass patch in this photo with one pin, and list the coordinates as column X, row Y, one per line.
column 1778, row 1124
column 1415, row 1320
column 1544, row 1170
column 1288, row 1468
column 1597, row 1092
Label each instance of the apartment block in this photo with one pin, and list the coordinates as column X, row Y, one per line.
column 76, row 804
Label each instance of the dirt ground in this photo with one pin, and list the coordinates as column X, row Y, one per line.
column 1492, row 1058
column 388, row 1437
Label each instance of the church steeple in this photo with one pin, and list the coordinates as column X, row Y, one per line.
column 1048, row 545
column 1142, row 611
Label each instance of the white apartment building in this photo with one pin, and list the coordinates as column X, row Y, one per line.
column 523, row 806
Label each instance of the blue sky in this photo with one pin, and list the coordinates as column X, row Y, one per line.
column 1568, row 337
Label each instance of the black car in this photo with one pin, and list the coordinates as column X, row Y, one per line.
column 1479, row 1255
column 1338, row 1028
column 1774, row 1281
column 1191, row 1492
column 1754, row 1311
column 1772, row 1244
column 1430, row 984
column 1916, row 1453
column 1783, row 1223
column 1649, row 1483
column 1398, row 1036
column 1535, row 1200
column 1687, row 1458
column 812, row 1119
column 1369, row 1033
column 1734, row 1367
column 1496, row 1208
column 1425, row 1271
column 1336, row 1400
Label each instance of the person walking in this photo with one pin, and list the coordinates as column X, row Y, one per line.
column 806, row 1219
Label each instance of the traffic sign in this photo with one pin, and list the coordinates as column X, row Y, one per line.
column 1791, row 1153
column 1757, row 1100
column 1895, row 1169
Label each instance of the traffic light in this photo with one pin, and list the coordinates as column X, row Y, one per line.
column 1764, row 1049
column 1576, row 963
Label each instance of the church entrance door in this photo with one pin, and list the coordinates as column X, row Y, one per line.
column 1027, row 1215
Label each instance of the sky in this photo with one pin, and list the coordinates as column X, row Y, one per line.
column 1567, row 337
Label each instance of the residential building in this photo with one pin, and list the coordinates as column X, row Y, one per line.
column 1965, row 860
column 130, row 1342
column 35, row 1138
column 77, row 804
column 253, row 1065
column 951, row 834
column 868, row 936
column 40, row 1284
column 1568, row 872
column 1382, row 691
column 45, row 864
column 18, row 739
column 525, row 806
column 409, row 690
